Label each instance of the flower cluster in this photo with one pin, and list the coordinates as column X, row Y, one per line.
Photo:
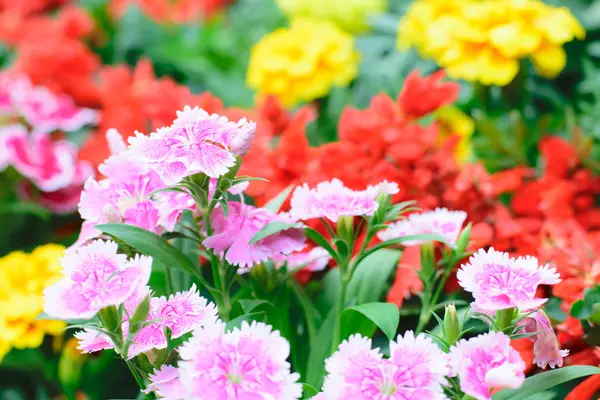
column 181, row 11
column 484, row 41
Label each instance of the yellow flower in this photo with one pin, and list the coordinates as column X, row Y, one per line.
column 484, row 40
column 23, row 278
column 452, row 121
column 303, row 62
column 350, row 15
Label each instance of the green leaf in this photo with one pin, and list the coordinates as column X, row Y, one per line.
column 371, row 275
column 271, row 229
column 546, row 380
column 308, row 391
column 237, row 322
column 315, row 372
column 25, row 208
column 316, row 237
column 248, row 305
column 364, row 319
column 403, row 239
column 584, row 309
column 140, row 315
column 554, row 311
column 276, row 203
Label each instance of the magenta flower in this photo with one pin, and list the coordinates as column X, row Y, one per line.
column 95, row 277
column 441, row 221
column 416, row 369
column 332, row 200
column 499, row 282
column 246, row 363
column 231, row 236
column 546, row 350
column 314, row 260
column 166, row 384
column 197, row 142
column 486, row 362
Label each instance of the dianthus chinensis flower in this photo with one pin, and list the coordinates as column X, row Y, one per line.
column 546, row 349
column 95, row 277
column 231, row 235
column 350, row 15
column 484, row 41
column 316, row 259
column 498, row 281
column 165, row 383
column 416, row 369
column 486, row 362
column 441, row 221
column 23, row 277
column 197, row 142
column 303, row 62
column 249, row 362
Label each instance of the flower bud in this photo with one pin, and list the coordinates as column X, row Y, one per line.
column 451, row 324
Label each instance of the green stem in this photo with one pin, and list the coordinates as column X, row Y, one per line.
column 425, row 314
column 337, row 333
column 306, row 308
column 504, row 318
column 134, row 372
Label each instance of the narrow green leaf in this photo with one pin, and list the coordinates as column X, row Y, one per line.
column 276, row 203
column 316, row 237
column 271, row 229
column 308, row 391
column 371, row 275
column 364, row 318
column 315, row 372
column 248, row 305
column 403, row 239
column 237, row 322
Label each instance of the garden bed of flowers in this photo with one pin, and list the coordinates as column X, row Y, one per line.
column 300, row 199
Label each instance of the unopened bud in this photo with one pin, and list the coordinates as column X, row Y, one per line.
column 451, row 324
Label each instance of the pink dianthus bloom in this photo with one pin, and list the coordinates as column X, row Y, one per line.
column 197, row 142
column 95, row 277
column 546, row 350
column 231, row 236
column 246, row 363
column 441, row 221
column 486, row 362
column 316, row 259
column 9, row 86
column 498, row 281
column 415, row 370
column 166, row 384
column 383, row 188
column 332, row 200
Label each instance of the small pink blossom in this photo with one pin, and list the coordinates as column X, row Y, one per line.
column 314, row 260
column 197, row 142
column 441, row 221
column 546, row 350
column 9, row 86
column 232, row 234
column 246, row 363
column 171, row 206
column 383, row 188
column 95, row 277
column 499, row 282
column 331, row 200
column 415, row 370
column 166, row 384
column 91, row 341
column 486, row 362
column 115, row 141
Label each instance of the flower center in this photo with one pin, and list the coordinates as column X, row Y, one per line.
column 235, row 378
column 387, row 388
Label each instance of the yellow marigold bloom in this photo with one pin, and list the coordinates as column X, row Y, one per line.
column 452, row 121
column 484, row 40
column 350, row 15
column 303, row 62
column 23, row 278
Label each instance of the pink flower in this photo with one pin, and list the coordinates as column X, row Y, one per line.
column 332, row 200
column 235, row 189
column 197, row 142
column 232, row 234
column 499, row 282
column 385, row 188
column 49, row 165
column 246, row 363
column 171, row 206
column 416, row 369
column 8, row 132
column 91, row 341
column 9, row 86
column 546, row 350
column 166, row 384
column 314, row 260
column 115, row 141
column 485, row 362
column 441, row 221
column 95, row 277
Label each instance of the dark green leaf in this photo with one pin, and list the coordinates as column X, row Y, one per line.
column 315, row 371
column 319, row 240
column 248, row 305
column 371, row 275
column 364, row 318
column 237, row 322
column 271, row 229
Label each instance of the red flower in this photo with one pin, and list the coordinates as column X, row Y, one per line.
column 422, row 96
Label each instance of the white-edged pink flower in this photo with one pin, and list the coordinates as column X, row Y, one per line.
column 95, row 277
column 166, row 384
column 231, row 236
column 546, row 350
column 91, row 341
column 498, row 281
column 416, row 369
column 385, row 188
column 115, row 141
column 197, row 142
column 246, row 363
column 486, row 362
column 316, row 259
column 331, row 200
column 441, row 221
column 9, row 86
column 171, row 206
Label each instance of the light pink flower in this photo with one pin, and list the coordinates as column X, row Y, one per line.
column 231, row 236
column 50, row 165
column 415, row 370
column 499, row 282
column 546, row 350
column 91, row 341
column 441, row 221
column 10, row 86
column 314, row 260
column 235, row 189
column 171, row 206
column 115, row 141
column 8, row 132
column 166, row 384
column 244, row 364
column 95, row 277
column 331, row 200
column 197, row 142
column 385, row 188
column 485, row 362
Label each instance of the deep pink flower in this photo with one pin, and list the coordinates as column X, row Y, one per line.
column 415, row 370
column 245, row 364
column 197, row 142
column 486, row 362
column 441, row 221
column 332, row 200
column 314, row 260
column 231, row 236
column 546, row 350
column 498, row 281
column 95, row 277
column 166, row 384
